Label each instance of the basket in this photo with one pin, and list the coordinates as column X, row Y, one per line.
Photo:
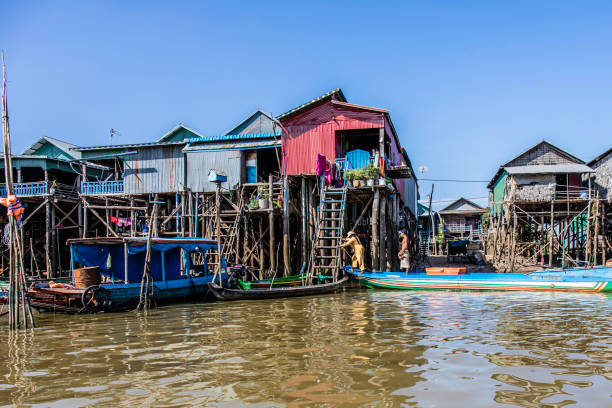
column 86, row 277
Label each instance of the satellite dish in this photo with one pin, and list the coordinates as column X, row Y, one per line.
column 423, row 169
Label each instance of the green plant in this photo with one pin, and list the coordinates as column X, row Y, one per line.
column 359, row 174
column 262, row 192
column 370, row 171
column 349, row 175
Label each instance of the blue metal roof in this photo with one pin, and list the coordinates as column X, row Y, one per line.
column 220, row 138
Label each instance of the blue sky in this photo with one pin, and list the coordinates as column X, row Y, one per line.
column 469, row 84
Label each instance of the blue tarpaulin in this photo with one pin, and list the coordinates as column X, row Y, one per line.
column 109, row 259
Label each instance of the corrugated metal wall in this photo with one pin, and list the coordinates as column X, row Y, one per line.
column 156, row 169
column 314, row 131
column 199, row 163
column 410, row 195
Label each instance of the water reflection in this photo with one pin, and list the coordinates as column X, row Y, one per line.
column 359, row 348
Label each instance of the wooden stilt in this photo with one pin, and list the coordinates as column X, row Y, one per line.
column 552, row 234
column 304, row 221
column 272, row 233
column 286, row 249
column 260, row 248
column 375, row 231
column 382, row 264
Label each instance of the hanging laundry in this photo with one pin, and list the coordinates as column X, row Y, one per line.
column 121, row 221
column 328, row 173
column 321, row 164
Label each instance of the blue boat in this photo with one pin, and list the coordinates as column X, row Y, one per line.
column 593, row 279
column 178, row 269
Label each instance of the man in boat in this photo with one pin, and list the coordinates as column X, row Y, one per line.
column 357, row 258
column 404, row 253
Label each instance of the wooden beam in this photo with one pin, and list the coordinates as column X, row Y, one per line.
column 94, row 212
column 25, row 221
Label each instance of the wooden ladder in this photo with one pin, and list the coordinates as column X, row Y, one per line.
column 325, row 254
column 229, row 224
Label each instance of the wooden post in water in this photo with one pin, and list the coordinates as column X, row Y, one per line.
column 304, row 221
column 375, row 236
column 260, row 246
column 382, row 264
column 552, row 233
column 218, row 228
column 272, row 232
column 286, row 253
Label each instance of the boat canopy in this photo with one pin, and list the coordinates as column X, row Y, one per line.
column 108, row 254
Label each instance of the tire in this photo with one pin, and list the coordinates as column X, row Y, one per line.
column 95, row 299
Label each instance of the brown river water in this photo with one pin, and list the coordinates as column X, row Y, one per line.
column 357, row 348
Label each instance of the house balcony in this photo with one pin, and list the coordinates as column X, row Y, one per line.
column 548, row 192
column 39, row 188
column 354, row 160
column 463, row 229
column 102, row 187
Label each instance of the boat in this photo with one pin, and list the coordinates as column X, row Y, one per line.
column 222, row 293
column 107, row 274
column 593, row 279
column 293, row 280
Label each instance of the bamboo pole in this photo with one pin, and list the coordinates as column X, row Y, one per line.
column 18, row 292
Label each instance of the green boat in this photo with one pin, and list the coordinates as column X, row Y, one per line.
column 287, row 281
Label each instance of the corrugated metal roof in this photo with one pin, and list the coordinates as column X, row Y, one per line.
column 315, row 100
column 601, row 156
column 234, row 130
column 60, row 144
column 550, row 168
column 234, row 146
column 219, row 138
column 174, row 129
column 110, row 147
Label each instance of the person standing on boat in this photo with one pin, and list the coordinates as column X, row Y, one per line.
column 404, row 253
column 357, row 258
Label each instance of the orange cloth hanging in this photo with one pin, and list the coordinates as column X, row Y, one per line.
column 13, row 207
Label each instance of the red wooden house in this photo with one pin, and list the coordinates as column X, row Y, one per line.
column 331, row 126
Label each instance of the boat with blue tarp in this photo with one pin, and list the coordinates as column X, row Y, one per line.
column 107, row 273
column 592, row 279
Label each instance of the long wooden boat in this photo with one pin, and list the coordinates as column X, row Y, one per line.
column 175, row 274
column 596, row 279
column 222, row 293
column 293, row 280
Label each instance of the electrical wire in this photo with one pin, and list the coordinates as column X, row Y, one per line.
column 456, row 181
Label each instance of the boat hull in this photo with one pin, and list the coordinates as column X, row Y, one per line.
column 117, row 297
column 484, row 282
column 239, row 294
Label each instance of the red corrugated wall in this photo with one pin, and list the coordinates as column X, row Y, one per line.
column 314, row 131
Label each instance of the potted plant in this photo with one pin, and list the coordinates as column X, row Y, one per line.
column 263, row 196
column 370, row 173
column 253, row 203
column 360, row 175
column 349, row 176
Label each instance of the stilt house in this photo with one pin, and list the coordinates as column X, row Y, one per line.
column 542, row 212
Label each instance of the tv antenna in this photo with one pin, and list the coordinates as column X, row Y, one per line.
column 112, row 133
